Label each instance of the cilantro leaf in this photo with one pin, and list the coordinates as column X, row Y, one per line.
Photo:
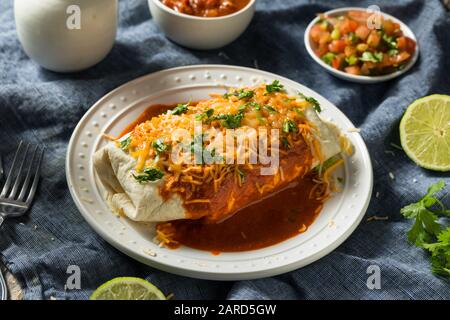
column 205, row 115
column 275, row 86
column 389, row 40
column 179, row 109
column 124, row 144
column 160, row 146
column 271, row 109
column 285, row 142
column 245, row 94
column 240, row 94
column 289, row 126
column 314, row 102
column 256, row 106
column 427, row 232
column 149, row 174
column 374, row 57
column 230, row 121
column 440, row 253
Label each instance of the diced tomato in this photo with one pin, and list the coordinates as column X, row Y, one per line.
column 410, row 45
column 337, row 46
column 401, row 57
column 348, row 26
column 316, row 33
column 389, row 27
column 374, row 39
column 356, row 70
column 338, row 61
column 362, row 32
column 353, row 25
column 325, row 37
column 349, row 51
column 401, row 43
column 359, row 16
column 365, row 69
column 321, row 49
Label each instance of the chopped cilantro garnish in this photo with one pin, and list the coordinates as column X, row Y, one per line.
column 149, row 174
column 179, row 109
column 159, row 145
column 390, row 41
column 124, row 144
column 275, row 86
column 245, row 94
column 270, row 109
column 230, row 121
column 205, row 115
column 240, row 94
column 427, row 232
column 311, row 100
column 353, row 37
column 285, row 142
column 392, row 52
column 375, row 57
column 289, row 126
column 256, row 106
column 299, row 112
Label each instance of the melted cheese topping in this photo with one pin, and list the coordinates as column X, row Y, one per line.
column 151, row 142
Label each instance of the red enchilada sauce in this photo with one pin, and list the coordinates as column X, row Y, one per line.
column 206, row 8
column 266, row 222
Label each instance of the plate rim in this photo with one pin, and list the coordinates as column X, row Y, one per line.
column 201, row 274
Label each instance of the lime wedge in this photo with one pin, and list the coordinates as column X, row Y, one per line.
column 127, row 288
column 425, row 132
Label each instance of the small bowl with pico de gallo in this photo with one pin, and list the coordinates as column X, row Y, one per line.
column 202, row 24
column 356, row 45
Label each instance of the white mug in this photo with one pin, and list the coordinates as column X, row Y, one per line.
column 66, row 35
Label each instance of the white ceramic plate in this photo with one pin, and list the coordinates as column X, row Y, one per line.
column 361, row 79
column 113, row 112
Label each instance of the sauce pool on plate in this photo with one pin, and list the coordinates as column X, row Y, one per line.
column 206, row 8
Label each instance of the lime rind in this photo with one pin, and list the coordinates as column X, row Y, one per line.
column 127, row 288
column 422, row 146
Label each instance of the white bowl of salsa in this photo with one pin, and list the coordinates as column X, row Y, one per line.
column 202, row 24
column 341, row 41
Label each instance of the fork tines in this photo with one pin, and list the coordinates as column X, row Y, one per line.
column 23, row 177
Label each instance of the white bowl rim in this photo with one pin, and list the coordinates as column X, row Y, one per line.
column 350, row 77
column 187, row 16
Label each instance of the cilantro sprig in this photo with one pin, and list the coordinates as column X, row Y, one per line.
column 275, row 86
column 149, row 174
column 160, row 146
column 240, row 94
column 179, row 109
column 314, row 102
column 374, row 57
column 125, row 144
column 427, row 232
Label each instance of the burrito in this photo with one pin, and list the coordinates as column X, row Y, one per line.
column 209, row 159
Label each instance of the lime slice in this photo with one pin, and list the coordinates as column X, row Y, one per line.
column 425, row 132
column 127, row 288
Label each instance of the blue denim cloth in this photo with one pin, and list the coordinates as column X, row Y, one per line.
column 43, row 108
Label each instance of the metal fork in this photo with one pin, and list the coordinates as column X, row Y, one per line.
column 11, row 204
column 21, row 184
